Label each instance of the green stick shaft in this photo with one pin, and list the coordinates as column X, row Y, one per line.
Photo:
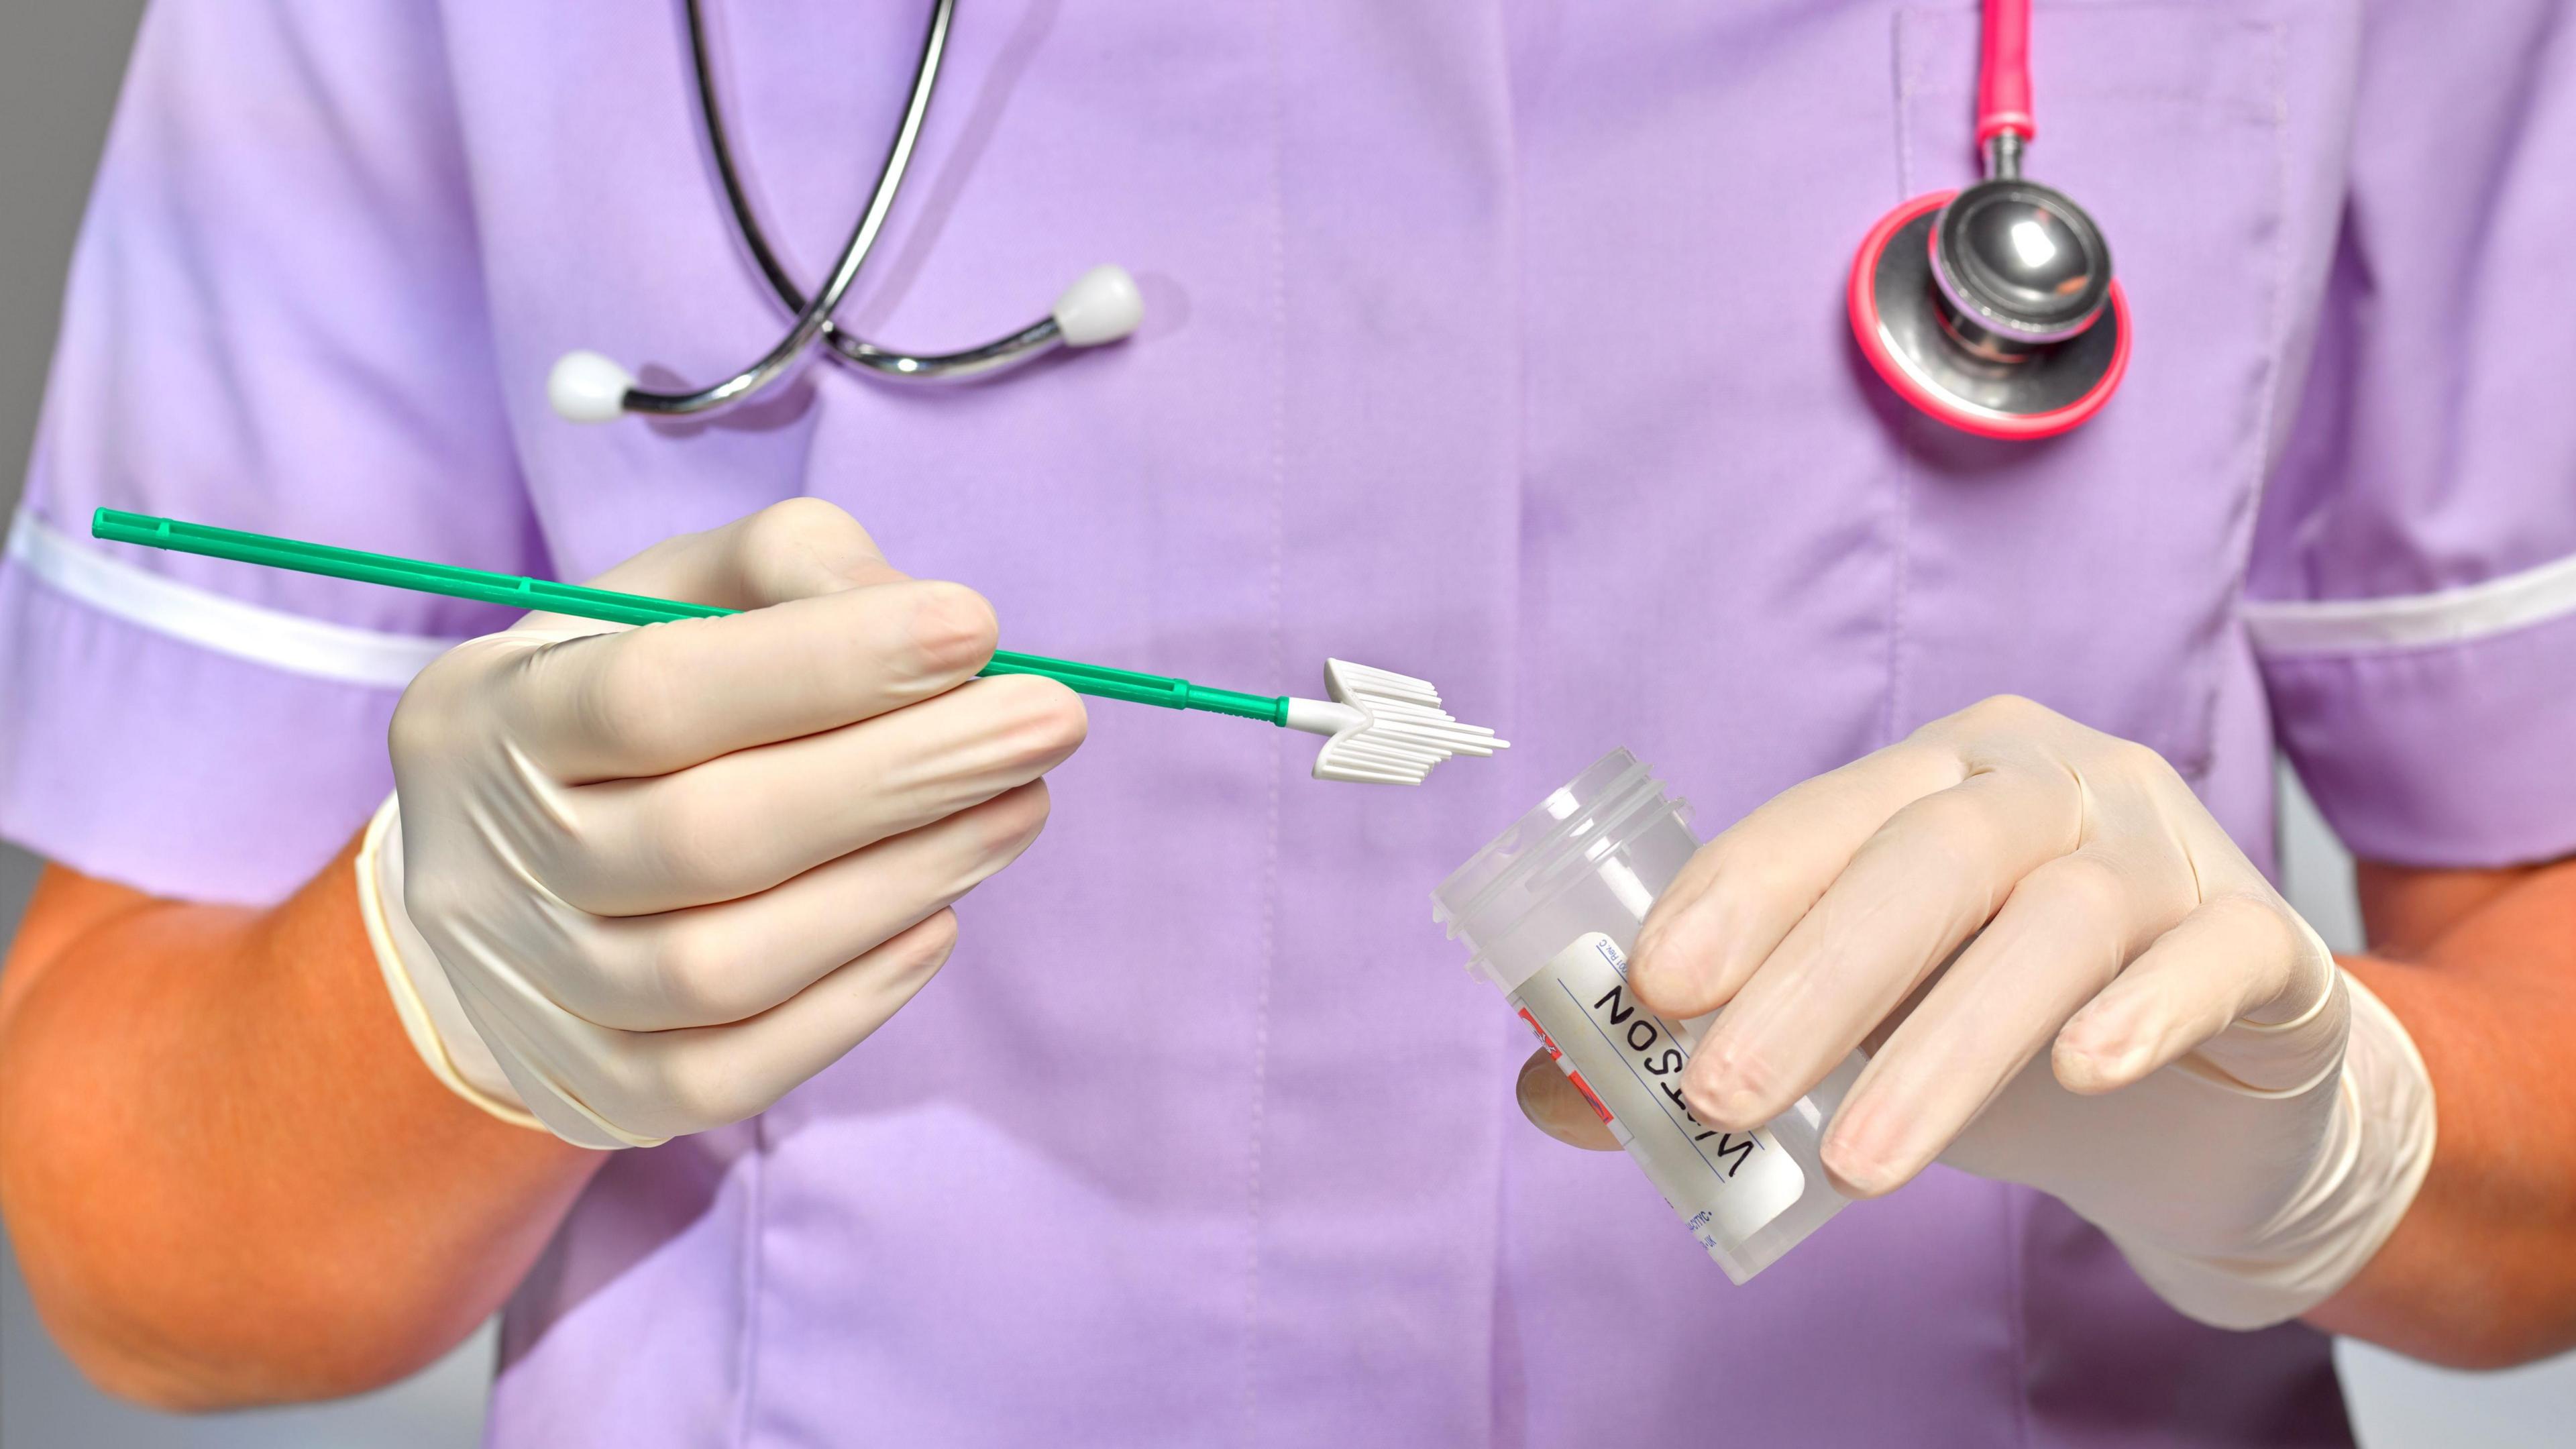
column 609, row 606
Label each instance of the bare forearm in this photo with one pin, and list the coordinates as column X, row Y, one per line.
column 227, row 1175
column 2482, row 969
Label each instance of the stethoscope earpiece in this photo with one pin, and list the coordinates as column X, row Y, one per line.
column 1994, row 308
column 587, row 387
column 1101, row 306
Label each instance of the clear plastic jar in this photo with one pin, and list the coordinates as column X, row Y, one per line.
column 1550, row 910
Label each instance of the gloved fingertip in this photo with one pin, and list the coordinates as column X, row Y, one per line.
column 952, row 626
column 1725, row 1106
column 1649, row 946
column 2092, row 1070
column 1857, row 1172
column 1674, row 966
column 1675, row 908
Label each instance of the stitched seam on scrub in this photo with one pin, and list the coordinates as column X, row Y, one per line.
column 755, row 1222
column 2276, row 380
column 2017, row 1306
column 1515, row 233
column 1905, row 421
column 1269, row 936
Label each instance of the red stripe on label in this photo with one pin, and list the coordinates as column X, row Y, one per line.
column 1585, row 1088
column 1571, row 1074
column 1543, row 1038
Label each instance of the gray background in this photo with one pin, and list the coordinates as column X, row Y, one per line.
column 58, row 70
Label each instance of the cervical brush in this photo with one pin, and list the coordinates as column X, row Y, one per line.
column 1381, row 727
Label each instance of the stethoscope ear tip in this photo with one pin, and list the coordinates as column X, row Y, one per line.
column 1102, row 305
column 587, row 387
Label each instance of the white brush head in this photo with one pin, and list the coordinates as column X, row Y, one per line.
column 1386, row 728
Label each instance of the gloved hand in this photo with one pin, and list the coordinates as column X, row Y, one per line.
column 2241, row 1116
column 647, row 880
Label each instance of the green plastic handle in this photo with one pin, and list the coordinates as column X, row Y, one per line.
column 1097, row 680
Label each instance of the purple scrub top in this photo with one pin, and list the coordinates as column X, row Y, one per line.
column 1501, row 343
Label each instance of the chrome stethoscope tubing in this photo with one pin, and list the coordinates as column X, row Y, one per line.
column 1100, row 306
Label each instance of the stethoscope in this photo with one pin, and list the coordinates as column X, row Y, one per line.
column 1101, row 305
column 1994, row 309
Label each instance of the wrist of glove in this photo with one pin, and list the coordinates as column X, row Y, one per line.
column 440, row 1034
column 2247, row 1181
column 444, row 1032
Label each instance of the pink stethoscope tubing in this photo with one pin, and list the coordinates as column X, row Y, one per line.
column 2005, row 125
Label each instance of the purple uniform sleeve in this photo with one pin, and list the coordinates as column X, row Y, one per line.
column 2412, row 592
column 275, row 320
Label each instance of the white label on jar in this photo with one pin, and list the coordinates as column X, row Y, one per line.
column 1628, row 1063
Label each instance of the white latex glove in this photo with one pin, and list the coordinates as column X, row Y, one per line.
column 2242, row 1117
column 650, row 879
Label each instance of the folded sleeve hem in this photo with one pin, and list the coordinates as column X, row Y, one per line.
column 2282, row 627
column 117, row 586
column 2459, row 754
column 130, row 753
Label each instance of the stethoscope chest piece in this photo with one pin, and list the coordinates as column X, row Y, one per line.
column 1978, row 350
column 1994, row 308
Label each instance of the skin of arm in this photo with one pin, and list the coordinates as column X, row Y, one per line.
column 2481, row 966
column 228, row 1177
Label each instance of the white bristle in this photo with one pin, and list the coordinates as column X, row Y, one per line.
column 1391, row 730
